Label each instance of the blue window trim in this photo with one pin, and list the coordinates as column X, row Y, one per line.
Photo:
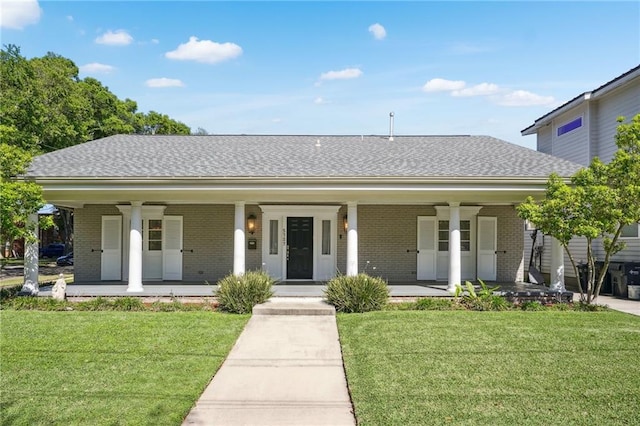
column 568, row 127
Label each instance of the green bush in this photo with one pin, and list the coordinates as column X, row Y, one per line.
column 482, row 300
column 435, row 304
column 9, row 291
column 128, row 304
column 240, row 293
column 358, row 293
column 532, row 305
column 26, row 303
column 98, row 304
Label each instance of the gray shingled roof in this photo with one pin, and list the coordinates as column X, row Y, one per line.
column 297, row 156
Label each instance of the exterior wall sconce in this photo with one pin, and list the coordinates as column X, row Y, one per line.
column 251, row 224
column 345, row 223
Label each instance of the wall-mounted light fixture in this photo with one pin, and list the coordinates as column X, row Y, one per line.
column 251, row 224
column 345, row 223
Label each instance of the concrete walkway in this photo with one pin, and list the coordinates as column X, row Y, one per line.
column 623, row 305
column 285, row 369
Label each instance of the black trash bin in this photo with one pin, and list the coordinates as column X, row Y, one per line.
column 582, row 280
column 632, row 276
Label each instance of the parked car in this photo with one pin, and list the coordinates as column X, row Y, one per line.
column 52, row 250
column 65, row 260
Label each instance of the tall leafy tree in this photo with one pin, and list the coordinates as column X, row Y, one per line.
column 45, row 106
column 18, row 199
column 601, row 200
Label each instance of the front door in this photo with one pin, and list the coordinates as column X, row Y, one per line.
column 299, row 248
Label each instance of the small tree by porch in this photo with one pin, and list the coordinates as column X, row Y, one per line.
column 600, row 201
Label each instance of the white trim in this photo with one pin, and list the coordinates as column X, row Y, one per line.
column 632, row 238
column 148, row 212
column 324, row 266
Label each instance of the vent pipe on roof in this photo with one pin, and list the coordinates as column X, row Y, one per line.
column 391, row 126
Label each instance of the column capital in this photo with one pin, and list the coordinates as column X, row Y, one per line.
column 136, row 203
column 454, row 203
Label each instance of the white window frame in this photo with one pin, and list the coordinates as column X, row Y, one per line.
column 637, row 236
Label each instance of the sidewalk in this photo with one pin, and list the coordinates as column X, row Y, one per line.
column 285, row 369
column 623, row 305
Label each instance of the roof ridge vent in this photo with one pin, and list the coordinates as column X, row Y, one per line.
column 318, row 143
column 391, row 115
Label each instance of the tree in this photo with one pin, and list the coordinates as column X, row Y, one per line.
column 18, row 199
column 45, row 106
column 601, row 200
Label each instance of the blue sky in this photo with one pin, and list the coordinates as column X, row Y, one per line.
column 486, row 68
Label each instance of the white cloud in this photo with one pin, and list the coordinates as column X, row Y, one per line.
column 344, row 74
column 320, row 101
column 18, row 14
column 164, row 82
column 115, row 38
column 206, row 51
column 442, row 85
column 524, row 98
column 481, row 89
column 378, row 31
column 96, row 68
column 69, row 18
column 155, row 41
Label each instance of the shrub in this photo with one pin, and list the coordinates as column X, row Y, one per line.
column 9, row 291
column 128, row 304
column 98, row 304
column 24, row 303
column 240, row 293
column 532, row 305
column 482, row 300
column 435, row 304
column 589, row 307
column 358, row 293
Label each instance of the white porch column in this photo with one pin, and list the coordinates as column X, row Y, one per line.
column 556, row 273
column 238, row 241
column 30, row 285
column 454, row 246
column 352, row 239
column 135, row 249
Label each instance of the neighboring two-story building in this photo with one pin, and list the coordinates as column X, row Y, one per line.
column 578, row 131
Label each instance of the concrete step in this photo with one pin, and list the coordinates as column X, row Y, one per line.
column 294, row 306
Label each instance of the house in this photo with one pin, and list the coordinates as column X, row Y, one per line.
column 584, row 128
column 195, row 208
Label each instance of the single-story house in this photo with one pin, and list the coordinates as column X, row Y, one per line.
column 195, row 208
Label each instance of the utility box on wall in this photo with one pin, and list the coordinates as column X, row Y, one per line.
column 252, row 244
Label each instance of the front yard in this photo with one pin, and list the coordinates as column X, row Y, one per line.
column 403, row 367
column 109, row 367
column 493, row 368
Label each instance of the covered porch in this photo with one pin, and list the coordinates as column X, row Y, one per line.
column 179, row 289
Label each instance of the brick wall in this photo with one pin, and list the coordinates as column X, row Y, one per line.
column 385, row 234
column 510, row 242
column 87, row 235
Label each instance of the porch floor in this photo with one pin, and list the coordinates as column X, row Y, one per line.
column 281, row 289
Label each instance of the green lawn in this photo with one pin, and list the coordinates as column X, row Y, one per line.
column 493, row 368
column 109, row 367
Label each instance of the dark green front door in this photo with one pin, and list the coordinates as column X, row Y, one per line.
column 300, row 248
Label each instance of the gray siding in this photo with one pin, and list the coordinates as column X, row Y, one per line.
column 623, row 102
column 572, row 146
column 595, row 138
column 545, row 140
